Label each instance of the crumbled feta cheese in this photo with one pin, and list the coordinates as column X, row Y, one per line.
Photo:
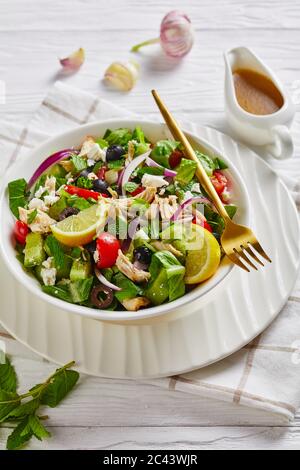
column 37, row 203
column 92, row 176
column 50, row 184
column 196, row 188
column 154, row 181
column 40, row 192
column 48, row 263
column 96, row 256
column 48, row 272
column 96, row 153
column 226, row 195
column 50, row 200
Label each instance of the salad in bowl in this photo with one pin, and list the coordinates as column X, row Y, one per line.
column 120, row 222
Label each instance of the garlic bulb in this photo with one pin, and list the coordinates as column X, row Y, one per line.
column 176, row 35
column 122, row 75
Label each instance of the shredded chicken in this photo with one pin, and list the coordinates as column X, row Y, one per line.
column 167, row 206
column 135, row 304
column 127, row 268
column 87, row 145
column 131, row 151
column 161, row 246
column 42, row 222
column 147, row 195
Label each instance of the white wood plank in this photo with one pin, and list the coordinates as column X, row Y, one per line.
column 166, row 438
column 99, row 15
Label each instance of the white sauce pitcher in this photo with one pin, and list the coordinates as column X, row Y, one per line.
column 270, row 130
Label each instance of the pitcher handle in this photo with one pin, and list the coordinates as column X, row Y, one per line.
column 283, row 146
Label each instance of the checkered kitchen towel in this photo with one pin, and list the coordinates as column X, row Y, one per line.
column 262, row 375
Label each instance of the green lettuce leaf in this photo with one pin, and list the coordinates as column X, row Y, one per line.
column 129, row 289
column 185, row 171
column 163, row 150
column 17, row 195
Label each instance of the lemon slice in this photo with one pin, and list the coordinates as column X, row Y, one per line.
column 203, row 256
column 81, row 228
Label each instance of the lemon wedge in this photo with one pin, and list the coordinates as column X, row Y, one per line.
column 203, row 255
column 81, row 228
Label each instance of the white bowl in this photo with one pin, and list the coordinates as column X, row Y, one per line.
column 25, row 167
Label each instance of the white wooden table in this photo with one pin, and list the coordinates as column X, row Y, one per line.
column 110, row 414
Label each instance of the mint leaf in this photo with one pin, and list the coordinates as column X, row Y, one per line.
column 116, row 164
column 8, row 401
column 55, row 251
column 17, row 196
column 8, row 377
column 31, row 217
column 79, row 163
column 59, row 387
column 25, row 409
column 37, row 428
column 20, row 435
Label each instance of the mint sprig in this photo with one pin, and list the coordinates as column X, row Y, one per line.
column 23, row 409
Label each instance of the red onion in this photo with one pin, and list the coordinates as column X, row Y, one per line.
column 56, row 157
column 183, row 205
column 176, row 35
column 105, row 282
column 131, row 167
column 167, row 172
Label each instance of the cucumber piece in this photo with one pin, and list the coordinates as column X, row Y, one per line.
column 58, row 171
column 80, row 290
column 64, row 271
column 57, row 208
column 158, row 291
column 80, row 270
column 34, row 250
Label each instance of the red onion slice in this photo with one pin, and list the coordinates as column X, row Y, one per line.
column 105, row 282
column 131, row 167
column 183, row 205
column 167, row 172
column 56, row 157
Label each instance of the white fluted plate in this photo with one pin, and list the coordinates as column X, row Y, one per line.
column 175, row 344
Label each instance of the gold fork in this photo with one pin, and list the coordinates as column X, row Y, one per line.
column 237, row 240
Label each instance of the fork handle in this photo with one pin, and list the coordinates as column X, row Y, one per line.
column 190, row 153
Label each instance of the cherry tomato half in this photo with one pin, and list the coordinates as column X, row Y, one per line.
column 107, row 248
column 101, row 173
column 204, row 224
column 219, row 181
column 175, row 158
column 21, row 231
